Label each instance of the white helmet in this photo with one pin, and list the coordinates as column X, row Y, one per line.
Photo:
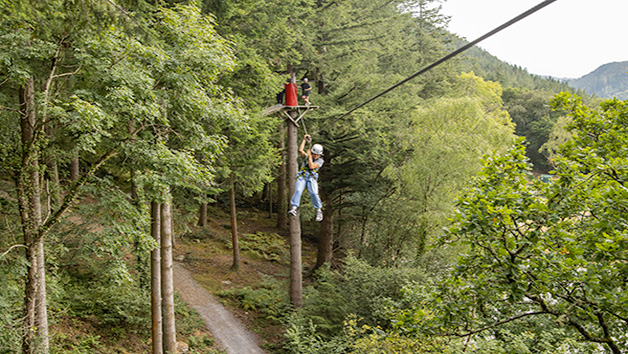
column 317, row 149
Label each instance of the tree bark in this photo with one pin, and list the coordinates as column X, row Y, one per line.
column 296, row 271
column 326, row 237
column 269, row 187
column 41, row 318
column 281, row 182
column 234, row 227
column 35, row 338
column 167, row 283
column 74, row 167
column 202, row 215
column 155, row 268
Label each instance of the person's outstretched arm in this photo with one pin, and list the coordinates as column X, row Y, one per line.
column 302, row 146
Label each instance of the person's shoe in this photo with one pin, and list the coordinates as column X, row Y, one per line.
column 293, row 211
column 319, row 215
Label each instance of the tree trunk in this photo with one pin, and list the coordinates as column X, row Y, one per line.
column 42, row 302
column 35, row 338
column 326, row 238
column 155, row 264
column 167, row 283
column 234, row 227
column 202, row 216
column 281, row 182
column 269, row 187
column 74, row 167
column 296, row 271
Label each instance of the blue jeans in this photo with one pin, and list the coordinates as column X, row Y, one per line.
column 306, row 179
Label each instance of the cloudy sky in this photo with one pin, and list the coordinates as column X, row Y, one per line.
column 566, row 39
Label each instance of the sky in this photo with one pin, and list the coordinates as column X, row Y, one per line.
column 566, row 39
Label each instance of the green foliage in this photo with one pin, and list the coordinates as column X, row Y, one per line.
column 12, row 268
column 444, row 144
column 534, row 120
column 550, row 253
column 81, row 344
column 270, row 298
column 302, row 337
column 264, row 34
column 491, row 68
column 271, row 247
column 115, row 306
column 364, row 339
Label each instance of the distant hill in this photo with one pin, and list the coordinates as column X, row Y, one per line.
column 608, row 81
column 489, row 67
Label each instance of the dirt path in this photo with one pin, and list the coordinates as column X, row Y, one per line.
column 229, row 332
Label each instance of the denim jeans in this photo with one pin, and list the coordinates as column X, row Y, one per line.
column 306, row 179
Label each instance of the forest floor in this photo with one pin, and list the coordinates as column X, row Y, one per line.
column 227, row 330
column 206, row 255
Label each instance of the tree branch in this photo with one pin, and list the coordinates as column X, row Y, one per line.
column 11, row 248
column 500, row 323
column 74, row 192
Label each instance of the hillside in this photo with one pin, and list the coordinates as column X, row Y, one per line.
column 489, row 67
column 608, row 81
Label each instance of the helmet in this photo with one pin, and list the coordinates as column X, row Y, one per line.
column 317, row 149
column 305, row 80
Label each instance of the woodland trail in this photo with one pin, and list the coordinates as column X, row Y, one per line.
column 228, row 331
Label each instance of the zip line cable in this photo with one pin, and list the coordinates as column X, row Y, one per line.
column 445, row 58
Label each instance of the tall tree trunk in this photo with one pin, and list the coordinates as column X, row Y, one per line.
column 202, row 215
column 74, row 167
column 326, row 237
column 42, row 302
column 155, row 267
column 167, row 283
column 296, row 272
column 269, row 189
column 35, row 338
column 234, row 226
column 281, row 181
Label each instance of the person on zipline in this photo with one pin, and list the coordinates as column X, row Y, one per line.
column 308, row 176
column 307, row 89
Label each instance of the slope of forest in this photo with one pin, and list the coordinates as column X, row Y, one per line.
column 608, row 81
column 488, row 66
column 133, row 136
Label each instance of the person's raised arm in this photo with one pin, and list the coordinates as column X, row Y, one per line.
column 302, row 146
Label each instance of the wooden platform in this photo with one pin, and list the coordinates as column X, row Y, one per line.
column 274, row 109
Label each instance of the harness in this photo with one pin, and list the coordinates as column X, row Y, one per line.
column 306, row 169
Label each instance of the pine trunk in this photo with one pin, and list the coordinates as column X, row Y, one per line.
column 269, row 190
column 74, row 167
column 281, row 182
column 202, row 215
column 234, row 227
column 326, row 238
column 155, row 267
column 296, row 275
column 167, row 283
